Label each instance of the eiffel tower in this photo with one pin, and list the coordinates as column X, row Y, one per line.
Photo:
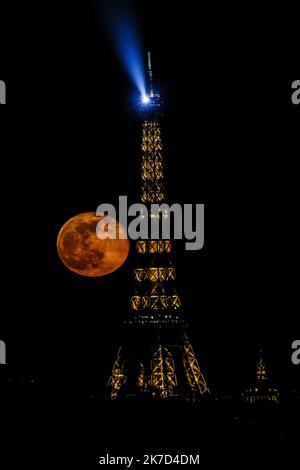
column 156, row 359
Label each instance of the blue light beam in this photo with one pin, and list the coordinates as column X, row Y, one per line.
column 123, row 31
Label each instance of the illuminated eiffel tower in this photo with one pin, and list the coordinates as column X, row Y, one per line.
column 156, row 359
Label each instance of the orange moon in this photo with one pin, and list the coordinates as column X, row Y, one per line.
column 84, row 253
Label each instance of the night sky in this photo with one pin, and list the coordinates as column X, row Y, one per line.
column 70, row 141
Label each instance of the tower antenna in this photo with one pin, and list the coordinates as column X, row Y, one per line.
column 150, row 74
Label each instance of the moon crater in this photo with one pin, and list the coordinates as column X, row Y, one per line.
column 84, row 253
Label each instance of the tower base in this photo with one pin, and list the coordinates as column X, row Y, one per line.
column 157, row 364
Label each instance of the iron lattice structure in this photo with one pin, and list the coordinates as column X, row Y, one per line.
column 156, row 359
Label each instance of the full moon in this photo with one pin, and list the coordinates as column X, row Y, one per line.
column 84, row 253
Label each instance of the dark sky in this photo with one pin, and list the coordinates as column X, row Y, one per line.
column 71, row 141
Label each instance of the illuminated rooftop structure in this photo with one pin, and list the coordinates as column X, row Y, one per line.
column 262, row 390
column 261, row 373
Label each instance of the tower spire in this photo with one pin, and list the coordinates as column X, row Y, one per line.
column 261, row 373
column 150, row 74
column 151, row 101
column 262, row 389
